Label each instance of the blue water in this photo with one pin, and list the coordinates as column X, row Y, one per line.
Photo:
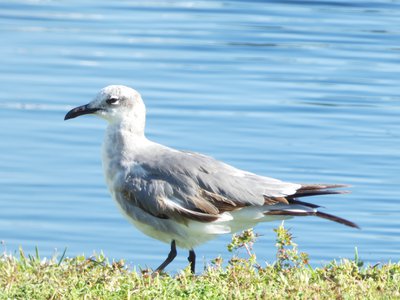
column 304, row 91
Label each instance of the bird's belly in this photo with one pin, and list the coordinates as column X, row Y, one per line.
column 186, row 235
column 192, row 233
column 150, row 230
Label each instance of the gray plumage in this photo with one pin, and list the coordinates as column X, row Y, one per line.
column 181, row 197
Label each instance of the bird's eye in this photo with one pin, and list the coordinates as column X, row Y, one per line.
column 112, row 101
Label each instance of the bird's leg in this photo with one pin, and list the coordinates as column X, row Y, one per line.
column 170, row 258
column 192, row 260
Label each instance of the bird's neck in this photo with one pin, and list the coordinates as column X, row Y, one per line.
column 124, row 137
column 122, row 142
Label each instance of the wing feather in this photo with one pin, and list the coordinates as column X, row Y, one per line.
column 189, row 186
column 180, row 185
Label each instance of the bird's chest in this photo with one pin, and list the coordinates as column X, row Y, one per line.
column 115, row 167
column 120, row 167
column 119, row 152
column 113, row 155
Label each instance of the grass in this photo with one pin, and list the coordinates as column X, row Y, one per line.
column 29, row 277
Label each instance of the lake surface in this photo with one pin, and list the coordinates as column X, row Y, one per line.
column 304, row 91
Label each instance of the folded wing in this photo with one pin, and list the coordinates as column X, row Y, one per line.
column 189, row 186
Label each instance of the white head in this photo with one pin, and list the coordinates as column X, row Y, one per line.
column 117, row 104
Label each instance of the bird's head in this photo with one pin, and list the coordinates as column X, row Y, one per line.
column 115, row 103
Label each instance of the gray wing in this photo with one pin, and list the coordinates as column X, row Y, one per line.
column 185, row 185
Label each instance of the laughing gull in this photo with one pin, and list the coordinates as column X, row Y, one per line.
column 185, row 198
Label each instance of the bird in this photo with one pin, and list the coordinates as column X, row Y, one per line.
column 185, row 198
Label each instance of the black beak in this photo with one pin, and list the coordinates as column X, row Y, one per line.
column 79, row 111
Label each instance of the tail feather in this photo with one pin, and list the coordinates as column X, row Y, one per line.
column 311, row 205
column 321, row 186
column 310, row 209
column 311, row 213
column 308, row 193
column 307, row 190
column 336, row 219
